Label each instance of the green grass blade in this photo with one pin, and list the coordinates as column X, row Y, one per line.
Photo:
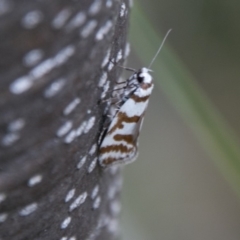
column 189, row 99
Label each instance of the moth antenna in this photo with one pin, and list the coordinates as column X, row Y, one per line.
column 126, row 68
column 159, row 49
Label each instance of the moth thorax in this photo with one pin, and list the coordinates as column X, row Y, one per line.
column 144, row 75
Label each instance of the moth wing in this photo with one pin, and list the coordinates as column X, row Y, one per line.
column 120, row 142
column 137, row 129
column 135, row 135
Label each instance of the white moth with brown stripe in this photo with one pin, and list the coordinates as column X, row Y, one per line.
column 120, row 143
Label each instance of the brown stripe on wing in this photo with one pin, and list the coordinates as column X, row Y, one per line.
column 109, row 160
column 139, row 99
column 123, row 117
column 127, row 138
column 115, row 148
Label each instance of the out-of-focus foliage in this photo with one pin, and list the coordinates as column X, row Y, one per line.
column 174, row 191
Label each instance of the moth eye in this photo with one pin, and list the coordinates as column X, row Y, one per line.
column 140, row 78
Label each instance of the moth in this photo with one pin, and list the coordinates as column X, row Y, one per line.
column 119, row 145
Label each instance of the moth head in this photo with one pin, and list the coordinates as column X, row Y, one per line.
column 143, row 75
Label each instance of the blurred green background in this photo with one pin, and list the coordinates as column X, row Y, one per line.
column 185, row 184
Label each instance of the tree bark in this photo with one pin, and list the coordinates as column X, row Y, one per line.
column 54, row 69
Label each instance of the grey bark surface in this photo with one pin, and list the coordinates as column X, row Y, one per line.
column 54, row 69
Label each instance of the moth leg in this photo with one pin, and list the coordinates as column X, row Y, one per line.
column 102, row 134
column 104, row 128
column 107, row 99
